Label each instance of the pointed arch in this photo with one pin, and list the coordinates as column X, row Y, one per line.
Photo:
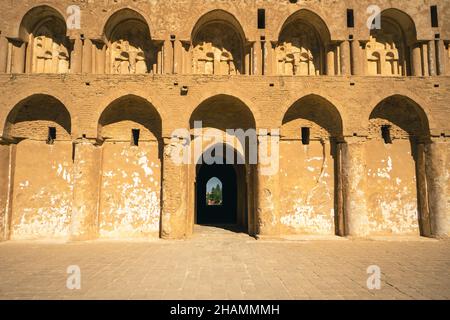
column 218, row 44
column 218, row 15
column 130, row 48
column 404, row 113
column 316, row 109
column 223, row 112
column 126, row 113
column 32, row 116
column 301, row 45
column 37, row 16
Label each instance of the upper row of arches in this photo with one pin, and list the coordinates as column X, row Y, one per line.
column 217, row 45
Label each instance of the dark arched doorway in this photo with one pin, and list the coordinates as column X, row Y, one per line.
column 221, row 148
column 211, row 211
column 221, row 191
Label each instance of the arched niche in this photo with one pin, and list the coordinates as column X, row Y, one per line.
column 404, row 116
column 392, row 43
column 127, row 113
column 49, row 48
column 316, row 113
column 32, row 117
column 395, row 152
column 218, row 44
column 130, row 48
column 310, row 168
column 130, row 190
column 223, row 112
column 42, row 164
column 301, row 45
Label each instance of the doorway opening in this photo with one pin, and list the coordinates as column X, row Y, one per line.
column 221, row 196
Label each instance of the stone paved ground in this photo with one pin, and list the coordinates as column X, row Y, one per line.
column 218, row 264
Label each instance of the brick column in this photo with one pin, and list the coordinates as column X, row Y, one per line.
column 431, row 58
column 441, row 58
column 187, row 57
column 248, row 49
column 98, row 57
column 345, row 58
column 331, row 71
column 339, row 202
column 160, row 57
column 416, row 61
column 178, row 57
column 356, row 55
column 7, row 163
column 422, row 190
column 18, row 56
column 174, row 193
column 437, row 172
column 268, row 57
column 353, row 185
column 168, row 56
column 86, row 185
column 267, row 186
column 426, row 68
column 87, row 56
column 257, row 58
column 76, row 56
column 272, row 58
column 3, row 53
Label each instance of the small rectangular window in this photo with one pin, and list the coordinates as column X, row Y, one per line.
column 434, row 17
column 306, row 132
column 51, row 137
column 386, row 134
column 135, row 137
column 350, row 18
column 261, row 18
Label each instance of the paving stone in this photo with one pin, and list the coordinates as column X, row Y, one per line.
column 226, row 266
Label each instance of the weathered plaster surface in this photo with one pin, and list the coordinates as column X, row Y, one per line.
column 391, row 188
column 130, row 191
column 307, row 188
column 42, row 203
